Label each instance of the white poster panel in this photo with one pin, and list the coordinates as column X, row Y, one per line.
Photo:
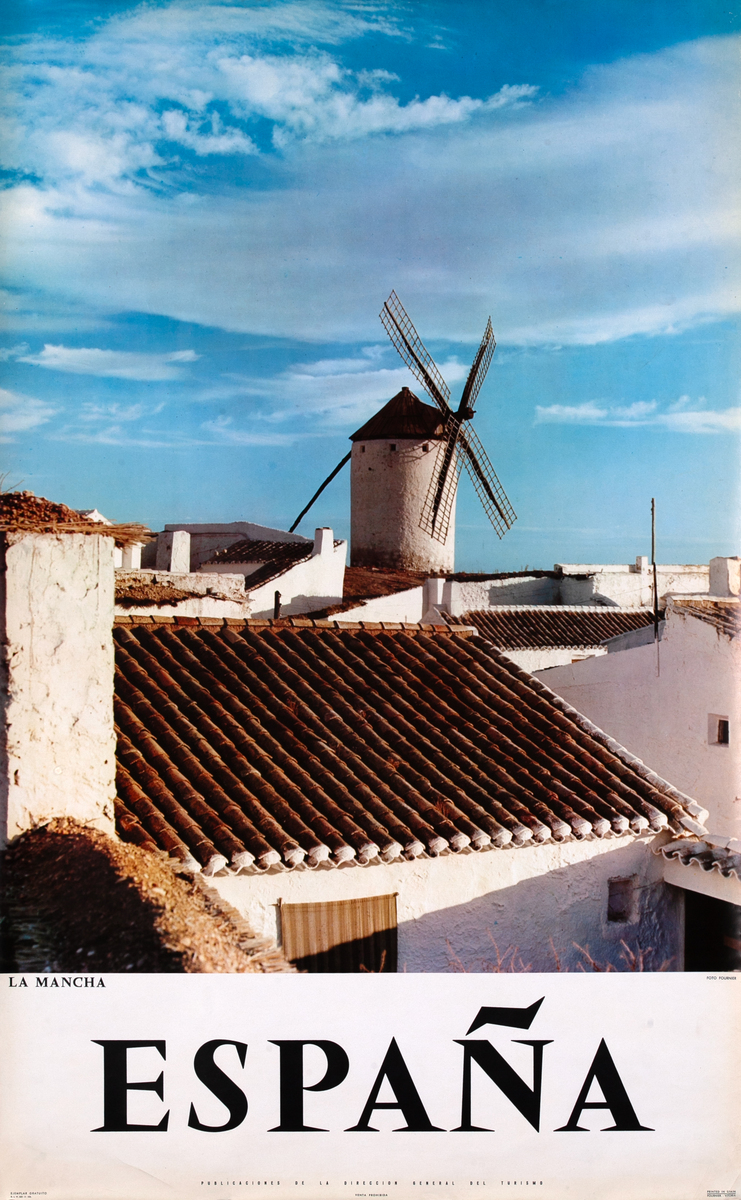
column 580, row 1086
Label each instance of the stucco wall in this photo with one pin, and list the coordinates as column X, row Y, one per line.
column 660, row 711
column 453, row 909
column 462, row 596
column 401, row 606
column 388, row 490
column 307, row 587
column 57, row 693
column 628, row 585
column 538, row 660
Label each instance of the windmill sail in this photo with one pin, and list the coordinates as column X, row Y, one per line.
column 438, row 504
column 484, row 479
column 413, row 351
column 461, row 447
column 479, row 367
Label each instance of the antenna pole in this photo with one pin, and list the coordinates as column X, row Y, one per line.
column 656, row 585
column 653, row 568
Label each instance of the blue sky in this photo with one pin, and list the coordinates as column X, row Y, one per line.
column 205, row 206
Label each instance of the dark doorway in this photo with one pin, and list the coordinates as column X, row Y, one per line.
column 712, row 934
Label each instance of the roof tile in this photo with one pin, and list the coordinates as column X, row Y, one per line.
column 251, row 744
column 529, row 627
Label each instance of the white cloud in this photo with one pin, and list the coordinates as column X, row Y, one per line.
column 598, row 215
column 19, row 414
column 91, row 413
column 678, row 417
column 8, row 352
column 335, row 391
column 31, row 312
column 225, row 431
column 705, row 421
column 100, row 112
column 177, row 127
column 112, row 364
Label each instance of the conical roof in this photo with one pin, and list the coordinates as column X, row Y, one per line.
column 405, row 416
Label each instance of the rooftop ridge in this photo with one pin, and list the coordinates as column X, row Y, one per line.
column 127, row 620
column 603, row 609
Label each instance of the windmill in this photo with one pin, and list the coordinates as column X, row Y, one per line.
column 394, row 492
column 460, row 445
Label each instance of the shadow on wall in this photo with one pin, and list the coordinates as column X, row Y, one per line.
column 297, row 606
column 566, row 906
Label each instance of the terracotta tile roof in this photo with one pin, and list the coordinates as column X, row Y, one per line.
column 249, row 551
column 276, row 558
column 258, row 743
column 405, row 416
column 725, row 615
column 725, row 859
column 365, row 583
column 526, row 627
column 368, row 583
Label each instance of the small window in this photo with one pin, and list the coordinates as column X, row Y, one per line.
column 719, row 730
column 392, row 447
column 362, row 449
column 621, row 900
column 426, row 447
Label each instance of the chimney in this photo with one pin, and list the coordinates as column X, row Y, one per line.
column 173, row 551
column 57, row 744
column 725, row 576
column 323, row 541
column 434, row 589
column 131, row 557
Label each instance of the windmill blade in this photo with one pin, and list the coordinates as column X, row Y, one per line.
column 477, row 374
column 438, row 506
column 488, row 488
column 413, row 351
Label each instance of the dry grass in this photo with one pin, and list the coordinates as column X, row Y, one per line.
column 511, row 962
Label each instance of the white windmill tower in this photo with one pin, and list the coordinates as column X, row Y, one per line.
column 407, row 459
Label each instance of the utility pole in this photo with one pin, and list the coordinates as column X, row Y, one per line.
column 655, row 583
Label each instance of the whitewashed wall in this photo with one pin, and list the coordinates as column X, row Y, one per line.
column 401, row 606
column 452, row 910
column 56, row 698
column 388, row 490
column 310, row 585
column 628, row 585
column 659, row 711
column 462, row 596
column 540, row 659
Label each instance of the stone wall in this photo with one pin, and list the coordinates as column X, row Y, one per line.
column 56, row 718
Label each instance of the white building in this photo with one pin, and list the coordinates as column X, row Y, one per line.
column 286, row 578
column 220, row 571
column 359, row 792
column 675, row 703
